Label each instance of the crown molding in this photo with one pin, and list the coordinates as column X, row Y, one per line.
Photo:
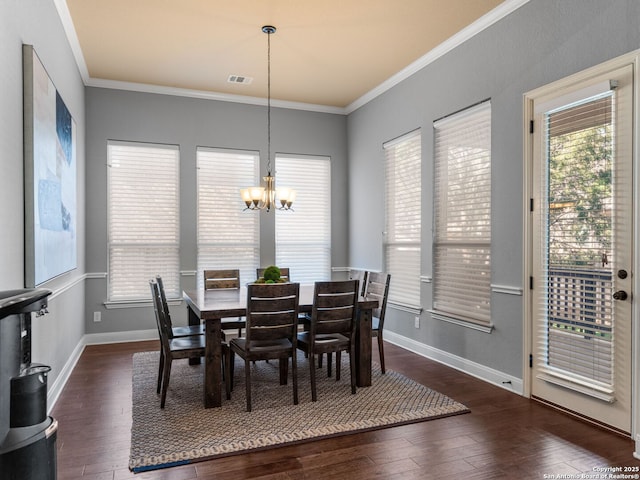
column 72, row 37
column 205, row 95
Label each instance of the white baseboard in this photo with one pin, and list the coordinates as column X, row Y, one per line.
column 120, row 337
column 55, row 389
column 474, row 369
column 636, row 454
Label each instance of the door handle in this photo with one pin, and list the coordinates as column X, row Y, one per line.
column 620, row 295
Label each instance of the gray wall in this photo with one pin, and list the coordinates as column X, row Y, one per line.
column 36, row 22
column 540, row 42
column 187, row 122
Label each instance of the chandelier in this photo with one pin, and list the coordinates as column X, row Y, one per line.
column 267, row 196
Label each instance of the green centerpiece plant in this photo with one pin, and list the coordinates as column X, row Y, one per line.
column 271, row 275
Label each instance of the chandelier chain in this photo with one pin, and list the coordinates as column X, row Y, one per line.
column 269, row 32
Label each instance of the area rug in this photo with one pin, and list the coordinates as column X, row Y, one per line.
column 185, row 432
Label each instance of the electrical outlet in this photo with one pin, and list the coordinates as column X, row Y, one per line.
column 97, row 316
column 417, row 321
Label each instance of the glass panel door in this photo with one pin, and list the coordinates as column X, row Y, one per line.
column 582, row 249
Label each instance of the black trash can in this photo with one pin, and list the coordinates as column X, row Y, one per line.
column 29, row 396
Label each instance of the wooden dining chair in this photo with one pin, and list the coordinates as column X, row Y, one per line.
column 181, row 331
column 354, row 274
column 221, row 279
column 361, row 276
column 270, row 333
column 229, row 279
column 177, row 347
column 377, row 288
column 332, row 328
column 284, row 273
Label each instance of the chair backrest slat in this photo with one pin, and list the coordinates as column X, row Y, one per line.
column 272, row 306
column 334, row 300
column 221, row 279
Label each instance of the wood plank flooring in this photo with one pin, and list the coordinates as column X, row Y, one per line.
column 504, row 437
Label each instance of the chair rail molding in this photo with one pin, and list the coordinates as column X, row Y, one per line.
column 506, row 289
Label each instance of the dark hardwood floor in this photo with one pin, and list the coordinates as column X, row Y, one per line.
column 504, row 437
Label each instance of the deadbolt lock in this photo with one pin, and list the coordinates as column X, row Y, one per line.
column 620, row 295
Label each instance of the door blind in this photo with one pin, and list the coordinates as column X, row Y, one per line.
column 462, row 216
column 143, row 219
column 577, row 280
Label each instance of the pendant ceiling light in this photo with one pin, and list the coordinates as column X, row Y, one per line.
column 266, row 197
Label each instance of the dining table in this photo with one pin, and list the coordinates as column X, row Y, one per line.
column 215, row 306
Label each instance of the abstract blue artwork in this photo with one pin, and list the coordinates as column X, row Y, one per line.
column 50, row 177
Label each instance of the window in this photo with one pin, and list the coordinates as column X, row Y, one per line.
column 228, row 237
column 403, row 189
column 143, row 219
column 462, row 216
column 303, row 237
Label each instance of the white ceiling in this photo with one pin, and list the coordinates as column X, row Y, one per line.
column 335, row 54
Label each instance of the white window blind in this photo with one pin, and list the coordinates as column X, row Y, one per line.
column 143, row 219
column 462, row 217
column 228, row 237
column 403, row 187
column 303, row 237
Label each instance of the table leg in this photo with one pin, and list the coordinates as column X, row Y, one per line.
column 193, row 320
column 213, row 364
column 363, row 348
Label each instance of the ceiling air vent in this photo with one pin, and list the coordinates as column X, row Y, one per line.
column 239, row 79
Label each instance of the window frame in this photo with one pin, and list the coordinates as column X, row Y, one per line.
column 310, row 176
column 403, row 220
column 246, row 235
column 137, row 152
column 452, row 290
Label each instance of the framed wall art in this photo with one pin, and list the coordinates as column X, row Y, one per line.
column 49, row 176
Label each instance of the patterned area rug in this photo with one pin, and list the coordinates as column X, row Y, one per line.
column 186, row 432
